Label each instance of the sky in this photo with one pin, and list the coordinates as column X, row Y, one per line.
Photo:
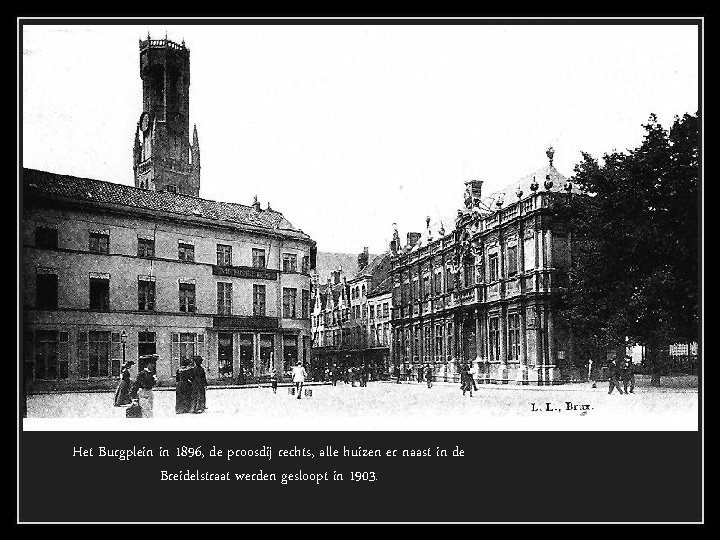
column 349, row 129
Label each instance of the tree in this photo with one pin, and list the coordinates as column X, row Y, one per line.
column 634, row 271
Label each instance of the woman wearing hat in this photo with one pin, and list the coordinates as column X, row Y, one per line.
column 183, row 386
column 122, row 394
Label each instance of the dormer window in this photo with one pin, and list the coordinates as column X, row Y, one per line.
column 171, row 189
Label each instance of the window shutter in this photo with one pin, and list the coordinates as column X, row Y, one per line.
column 115, row 354
column 63, row 356
column 174, row 353
column 82, row 353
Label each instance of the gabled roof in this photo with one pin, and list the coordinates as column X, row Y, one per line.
column 86, row 189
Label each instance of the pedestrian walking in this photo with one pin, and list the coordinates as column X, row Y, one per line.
column 428, row 375
column 471, row 376
column 183, row 386
column 274, row 380
column 299, row 374
column 465, row 380
column 591, row 375
column 143, row 388
column 420, row 374
column 628, row 375
column 613, row 377
column 122, row 393
column 198, row 401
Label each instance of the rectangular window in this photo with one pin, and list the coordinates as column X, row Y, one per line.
column 186, row 252
column 306, row 305
column 146, row 343
column 289, row 262
column 146, row 247
column 494, row 339
column 258, row 258
column 289, row 297
column 305, row 264
column 184, row 346
column 187, row 297
column 99, row 354
column 386, row 310
column 438, row 283
column 224, row 298
column 146, row 295
column 511, row 260
column 267, row 353
column 416, row 290
column 46, row 237
column 99, row 293
column 450, row 279
column 224, row 255
column 46, row 292
column 259, row 300
column 225, row 355
column 439, row 352
column 364, row 311
column 493, row 269
column 372, row 312
column 99, row 242
column 514, row 337
column 51, row 355
column 290, row 351
column 426, row 287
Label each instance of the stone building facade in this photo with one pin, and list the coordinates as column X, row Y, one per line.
column 481, row 295
column 351, row 318
column 113, row 272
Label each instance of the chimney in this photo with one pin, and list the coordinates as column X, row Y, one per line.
column 413, row 238
column 474, row 188
column 363, row 259
column 256, row 204
column 336, row 276
column 393, row 247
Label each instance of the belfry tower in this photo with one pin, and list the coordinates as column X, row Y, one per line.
column 163, row 158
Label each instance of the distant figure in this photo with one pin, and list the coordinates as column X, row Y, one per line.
column 628, row 376
column 591, row 377
column 466, row 383
column 274, row 380
column 199, row 382
column 471, row 372
column 398, row 373
column 241, row 379
column 299, row 374
column 420, row 374
column 183, row 386
column 613, row 377
column 143, row 389
column 428, row 375
column 364, row 375
column 352, row 374
column 122, row 394
column 346, row 375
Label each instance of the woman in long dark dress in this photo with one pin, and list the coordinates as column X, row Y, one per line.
column 122, row 394
column 199, row 382
column 183, row 387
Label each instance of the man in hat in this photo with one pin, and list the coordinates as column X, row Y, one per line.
column 298, row 375
column 614, row 377
column 628, row 377
column 183, row 386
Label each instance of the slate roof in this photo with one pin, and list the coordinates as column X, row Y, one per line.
column 86, row 189
column 326, row 262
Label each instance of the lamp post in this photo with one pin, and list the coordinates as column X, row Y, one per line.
column 123, row 339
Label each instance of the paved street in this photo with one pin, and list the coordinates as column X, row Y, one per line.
column 388, row 406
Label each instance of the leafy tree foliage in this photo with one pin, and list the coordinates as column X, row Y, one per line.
column 634, row 271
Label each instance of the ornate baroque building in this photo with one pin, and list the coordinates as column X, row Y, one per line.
column 481, row 295
column 112, row 271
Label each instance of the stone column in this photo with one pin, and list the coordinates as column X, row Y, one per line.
column 503, row 372
column 552, row 370
column 522, row 377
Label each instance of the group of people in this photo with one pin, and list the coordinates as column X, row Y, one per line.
column 621, row 371
column 190, row 383
column 423, row 374
column 351, row 375
column 137, row 394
